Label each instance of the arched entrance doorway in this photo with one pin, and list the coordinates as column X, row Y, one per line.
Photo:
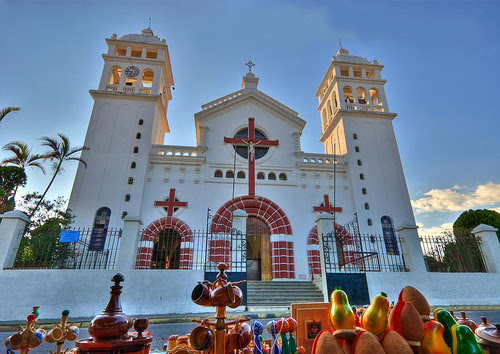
column 258, row 249
column 166, row 250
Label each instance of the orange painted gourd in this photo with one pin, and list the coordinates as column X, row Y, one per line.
column 375, row 317
column 341, row 316
column 433, row 341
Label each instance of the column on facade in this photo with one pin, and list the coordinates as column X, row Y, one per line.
column 490, row 246
column 325, row 224
column 11, row 232
column 203, row 138
column 412, row 251
column 129, row 242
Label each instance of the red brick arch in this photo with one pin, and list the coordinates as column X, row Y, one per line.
column 283, row 266
column 313, row 256
column 150, row 234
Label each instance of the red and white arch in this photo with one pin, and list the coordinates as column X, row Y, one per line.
column 150, row 235
column 313, row 256
column 282, row 256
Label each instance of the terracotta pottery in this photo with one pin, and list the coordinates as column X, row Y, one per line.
column 467, row 322
column 201, row 295
column 489, row 338
column 223, row 295
column 365, row 342
column 201, row 338
column 246, row 333
column 15, row 341
column 484, row 323
column 72, row 333
column 112, row 323
column 406, row 320
column 410, row 294
column 282, row 326
column 238, row 297
column 326, row 343
column 393, row 343
column 54, row 335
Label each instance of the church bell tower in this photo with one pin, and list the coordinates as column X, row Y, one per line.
column 357, row 123
column 129, row 115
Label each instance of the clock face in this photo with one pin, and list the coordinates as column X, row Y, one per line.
column 132, row 71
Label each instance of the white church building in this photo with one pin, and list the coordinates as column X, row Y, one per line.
column 248, row 162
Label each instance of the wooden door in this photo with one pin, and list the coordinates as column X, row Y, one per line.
column 258, row 234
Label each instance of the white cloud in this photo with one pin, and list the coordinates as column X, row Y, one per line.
column 435, row 230
column 458, row 198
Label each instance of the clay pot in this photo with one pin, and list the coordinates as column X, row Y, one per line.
column 37, row 338
column 201, row 338
column 72, row 333
column 465, row 321
column 54, row 335
column 489, row 338
column 15, row 341
column 201, row 295
column 238, row 297
column 222, row 295
column 484, row 323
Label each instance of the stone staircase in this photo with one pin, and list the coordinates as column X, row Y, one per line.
column 279, row 295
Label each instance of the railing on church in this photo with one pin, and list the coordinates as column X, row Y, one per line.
column 450, row 253
column 201, row 250
column 366, row 253
column 69, row 249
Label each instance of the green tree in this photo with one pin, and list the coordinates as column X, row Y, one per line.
column 469, row 219
column 10, row 178
column 7, row 110
column 59, row 153
column 46, row 210
column 22, row 158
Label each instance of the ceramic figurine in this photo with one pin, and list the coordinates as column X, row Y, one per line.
column 27, row 338
column 292, row 327
column 433, row 341
column 459, row 338
column 410, row 294
column 341, row 316
column 326, row 343
column 282, row 329
column 62, row 332
column 257, row 330
column 407, row 321
column 357, row 319
column 393, row 343
column 364, row 342
column 375, row 317
column 271, row 329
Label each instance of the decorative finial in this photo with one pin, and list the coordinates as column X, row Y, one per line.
column 149, row 23
column 249, row 64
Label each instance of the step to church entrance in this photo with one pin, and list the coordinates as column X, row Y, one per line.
column 279, row 295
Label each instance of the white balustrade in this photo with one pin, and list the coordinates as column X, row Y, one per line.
column 175, row 151
column 112, row 88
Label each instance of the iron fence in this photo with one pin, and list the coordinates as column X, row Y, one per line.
column 46, row 250
column 366, row 253
column 451, row 254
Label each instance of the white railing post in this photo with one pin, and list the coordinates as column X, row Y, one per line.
column 412, row 251
column 129, row 242
column 239, row 224
column 11, row 231
column 325, row 224
column 490, row 246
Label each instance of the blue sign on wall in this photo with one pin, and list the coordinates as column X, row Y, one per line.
column 69, row 236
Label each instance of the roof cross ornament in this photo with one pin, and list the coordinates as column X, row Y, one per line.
column 149, row 23
column 249, row 64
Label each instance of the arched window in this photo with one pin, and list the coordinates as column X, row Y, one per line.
column 240, row 174
column 356, row 148
column 141, row 121
column 360, row 163
column 349, row 98
column 364, row 190
column 218, row 174
column 260, row 152
column 229, row 174
column 132, row 165
column 147, row 78
column 370, row 222
column 130, row 180
column 127, row 197
column 136, row 149
column 138, row 136
column 166, row 250
column 271, row 176
column 282, row 177
column 375, row 97
column 261, row 175
column 115, row 75
column 391, row 243
column 361, row 95
column 330, row 111
column 367, row 206
column 99, row 229
column 361, row 176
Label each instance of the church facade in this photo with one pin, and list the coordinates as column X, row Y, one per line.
column 248, row 160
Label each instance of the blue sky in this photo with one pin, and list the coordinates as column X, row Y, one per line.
column 440, row 57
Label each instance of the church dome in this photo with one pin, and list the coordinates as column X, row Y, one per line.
column 146, row 36
column 344, row 56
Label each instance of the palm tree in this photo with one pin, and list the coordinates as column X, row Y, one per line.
column 22, row 157
column 59, row 153
column 7, row 110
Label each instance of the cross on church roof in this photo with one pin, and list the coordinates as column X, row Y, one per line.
column 249, row 64
column 326, row 206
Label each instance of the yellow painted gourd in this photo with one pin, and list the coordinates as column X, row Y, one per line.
column 341, row 316
column 375, row 317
